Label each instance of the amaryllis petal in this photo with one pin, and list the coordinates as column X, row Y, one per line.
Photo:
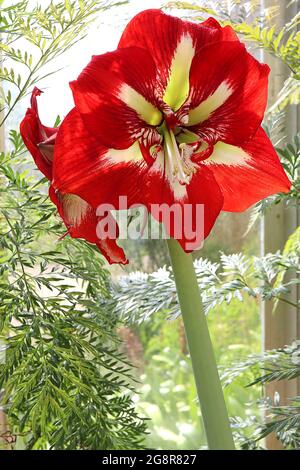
column 101, row 175
column 115, row 94
column 228, row 93
column 248, row 173
column 203, row 189
column 79, row 217
column 83, row 166
column 172, row 43
column 46, row 131
column 193, row 207
column 39, row 139
column 81, row 221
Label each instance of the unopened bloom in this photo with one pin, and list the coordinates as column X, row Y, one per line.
column 79, row 217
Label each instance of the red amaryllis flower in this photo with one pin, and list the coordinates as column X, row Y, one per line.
column 79, row 217
column 173, row 115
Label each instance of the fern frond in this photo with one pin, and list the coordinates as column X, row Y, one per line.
column 288, row 95
column 139, row 295
column 48, row 33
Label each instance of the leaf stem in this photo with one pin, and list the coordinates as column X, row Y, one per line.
column 289, row 302
column 24, row 275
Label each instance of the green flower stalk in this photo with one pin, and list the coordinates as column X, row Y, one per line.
column 210, row 394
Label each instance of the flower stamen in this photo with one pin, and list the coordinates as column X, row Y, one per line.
column 178, row 158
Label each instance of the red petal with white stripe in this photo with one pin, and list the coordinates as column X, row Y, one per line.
column 228, row 93
column 160, row 35
column 248, row 173
column 83, row 166
column 81, row 221
column 198, row 205
column 115, row 95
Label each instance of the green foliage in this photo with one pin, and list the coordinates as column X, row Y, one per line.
column 65, row 384
column 140, row 295
column 288, row 95
column 284, row 44
column 284, row 421
column 227, row 289
column 47, row 33
column 290, row 159
column 168, row 394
